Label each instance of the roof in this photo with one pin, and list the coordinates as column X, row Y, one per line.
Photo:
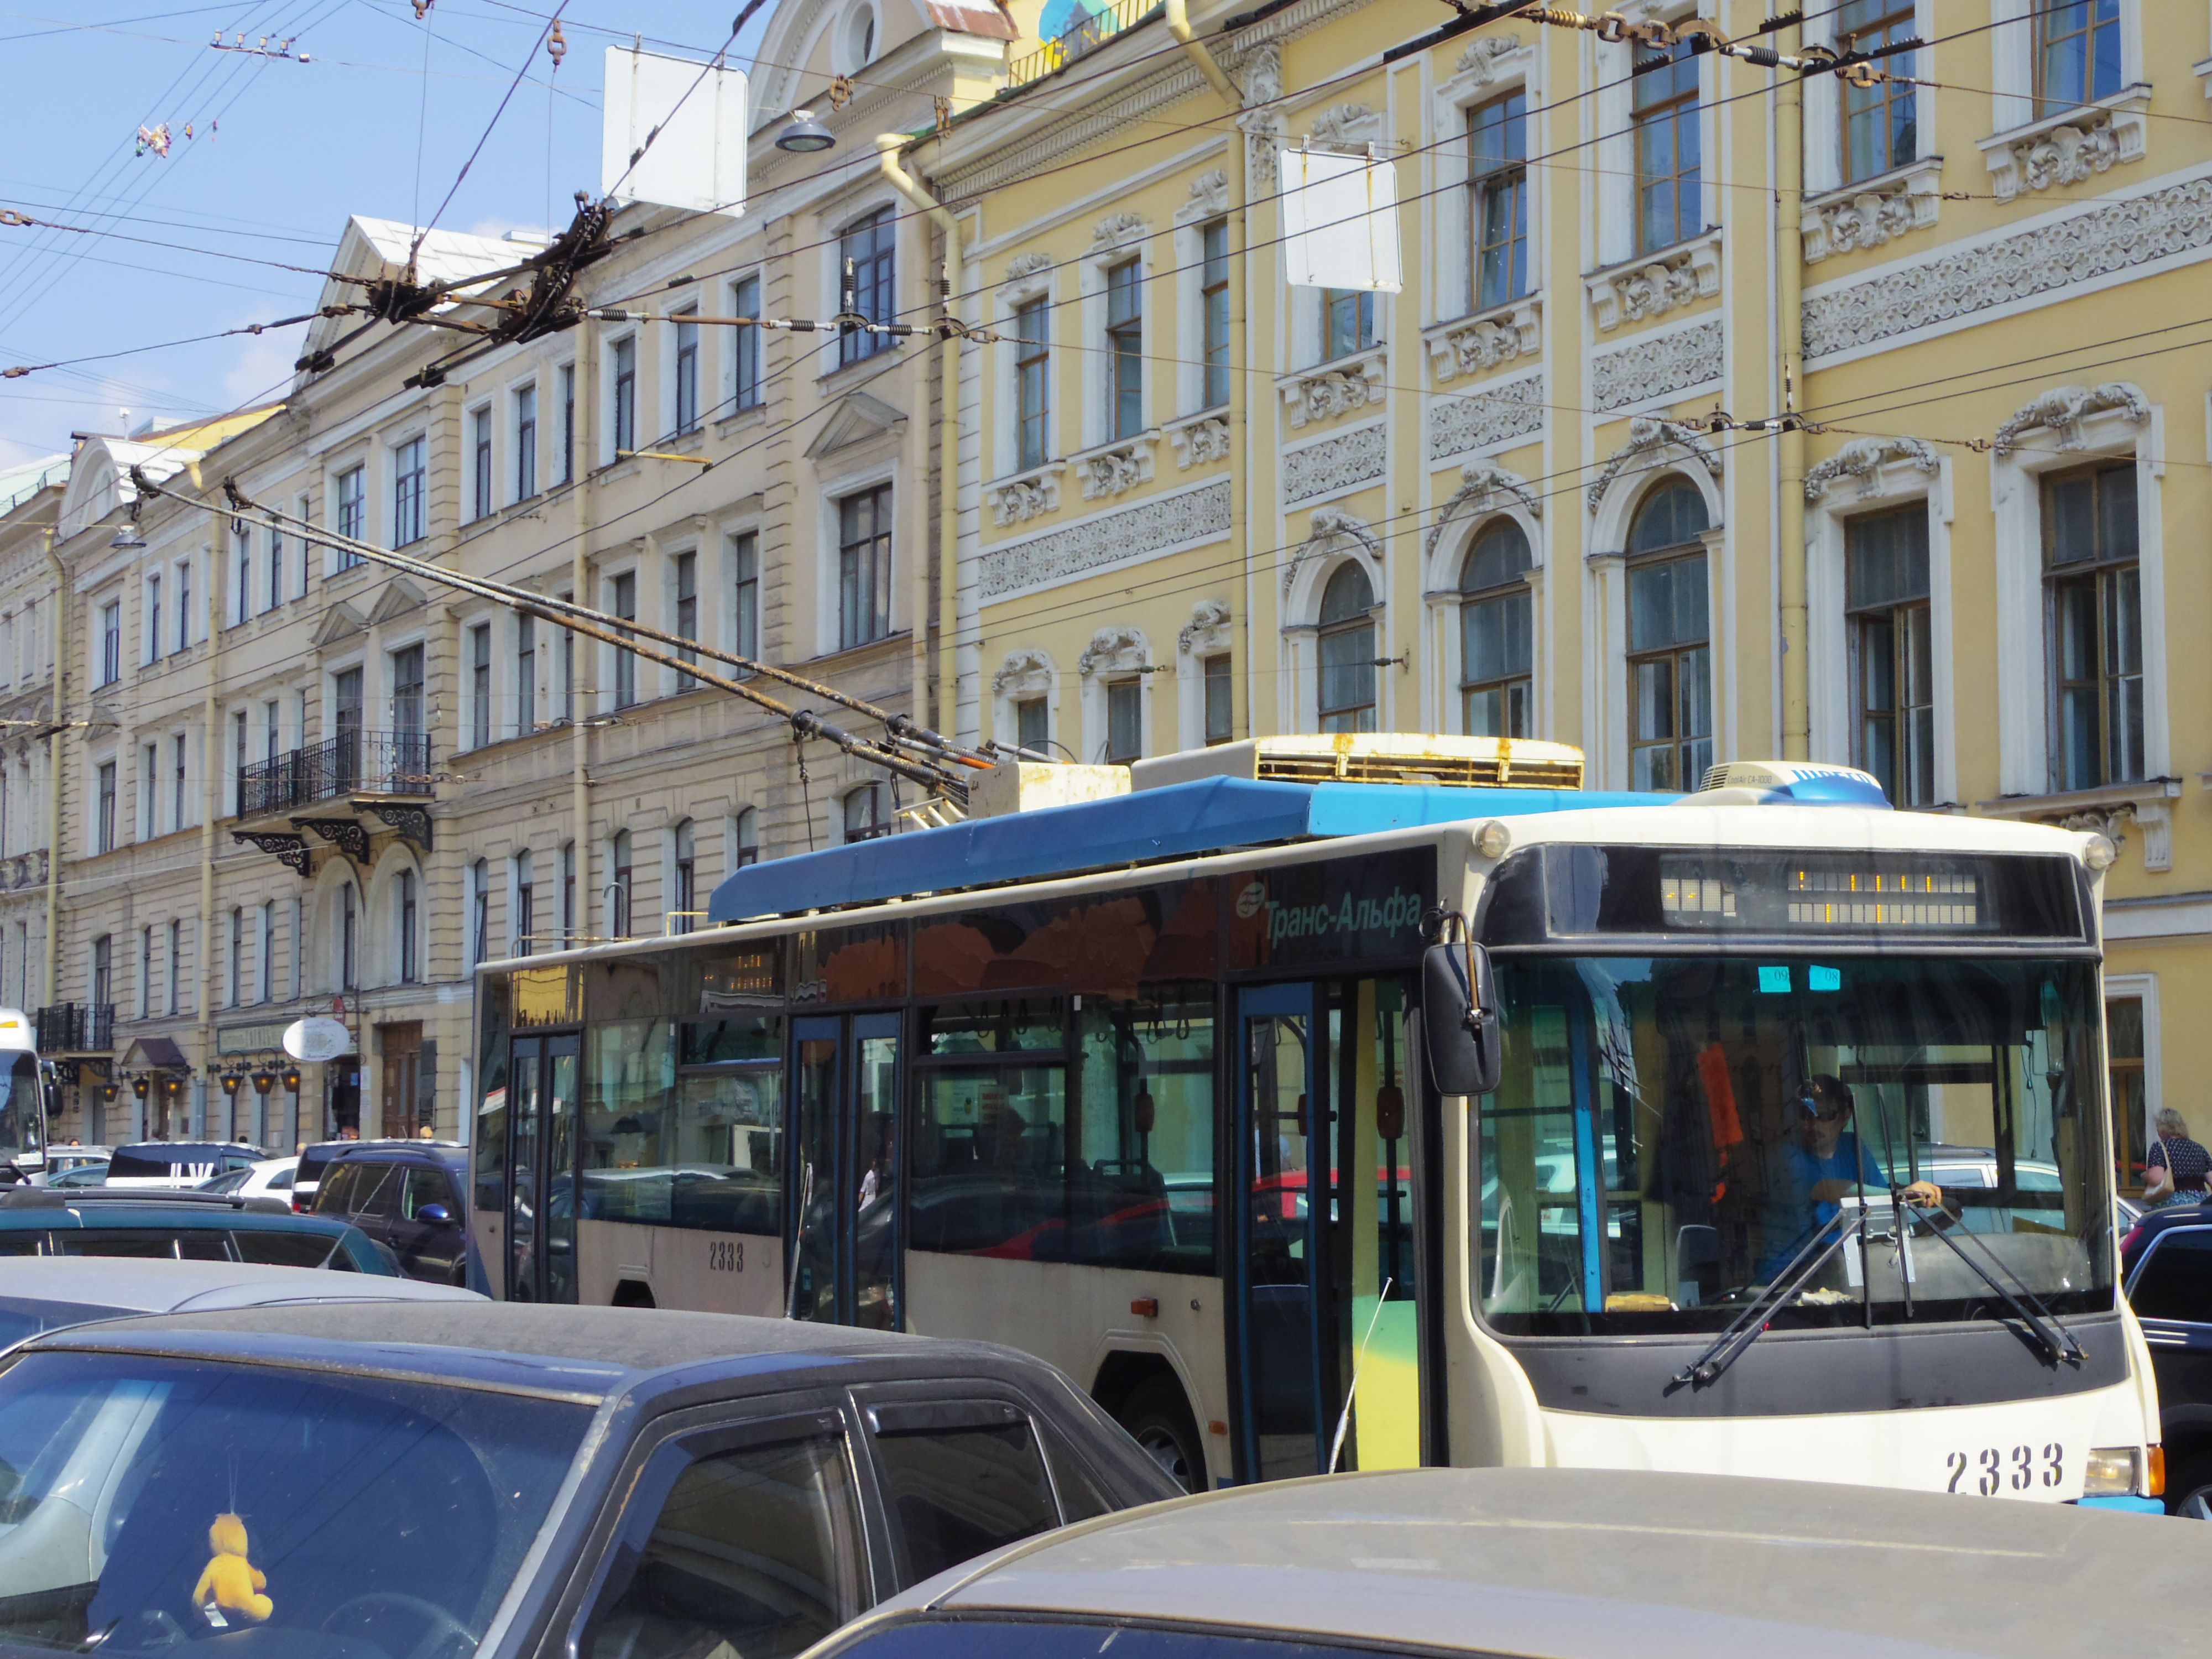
column 157, row 1286
column 1214, row 815
column 1578, row 1564
column 19, row 484
column 43, row 1209
column 592, row 1351
column 378, row 249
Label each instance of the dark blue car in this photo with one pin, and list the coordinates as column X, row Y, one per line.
column 2166, row 1267
column 184, row 1225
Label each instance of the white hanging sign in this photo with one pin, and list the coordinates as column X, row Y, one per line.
column 697, row 159
column 1339, row 221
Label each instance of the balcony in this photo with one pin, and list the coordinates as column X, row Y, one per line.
column 1090, row 29
column 351, row 764
column 75, row 1027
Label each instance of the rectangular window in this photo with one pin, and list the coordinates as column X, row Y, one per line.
column 687, row 612
column 1669, row 185
column 1498, row 198
column 104, row 824
column 154, row 618
column 410, row 946
column 745, row 346
column 176, row 980
column 272, row 730
column 1220, row 700
column 265, row 962
column 183, row 604
column 863, row 567
column 568, row 422
column 276, row 568
column 145, row 973
column 1125, row 721
column 480, row 685
column 525, row 443
column 568, row 894
column 621, row 601
column 525, row 905
column 1214, row 301
column 1881, row 122
column 623, row 393
column 866, row 255
column 526, row 675
column 409, row 488
column 2093, row 607
column 349, row 928
column 237, row 955
column 1669, row 674
column 179, row 748
column 241, row 552
column 1125, row 348
column 1893, row 652
column 238, row 758
column 407, row 692
column 299, row 947
column 111, row 642
column 149, row 792
column 1347, row 321
column 745, row 559
column 569, row 671
column 2131, row 1108
column 1033, row 724
column 1032, row 382
column 480, row 491
column 103, row 971
column 2077, row 52
column 353, row 512
column 687, row 371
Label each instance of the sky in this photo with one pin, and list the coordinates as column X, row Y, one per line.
column 379, row 121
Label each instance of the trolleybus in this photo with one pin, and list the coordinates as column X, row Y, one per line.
column 22, row 1099
column 1154, row 1086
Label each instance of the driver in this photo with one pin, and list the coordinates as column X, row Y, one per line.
column 1822, row 1164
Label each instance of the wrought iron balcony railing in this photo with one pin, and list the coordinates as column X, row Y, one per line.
column 1090, row 29
column 76, row 1027
column 353, row 762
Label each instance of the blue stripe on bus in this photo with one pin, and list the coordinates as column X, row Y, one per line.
column 1178, row 821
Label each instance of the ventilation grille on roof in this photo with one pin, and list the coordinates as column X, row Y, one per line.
column 1386, row 757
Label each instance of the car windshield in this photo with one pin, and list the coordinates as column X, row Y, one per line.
column 1672, row 1132
column 150, row 1504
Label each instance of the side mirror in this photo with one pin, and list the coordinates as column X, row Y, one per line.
column 436, row 1214
column 1459, row 1020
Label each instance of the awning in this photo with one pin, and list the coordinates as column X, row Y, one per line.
column 160, row 1052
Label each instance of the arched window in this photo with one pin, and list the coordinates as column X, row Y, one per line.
column 1495, row 652
column 621, row 886
column 687, row 877
column 1347, row 651
column 1670, row 676
column 864, row 813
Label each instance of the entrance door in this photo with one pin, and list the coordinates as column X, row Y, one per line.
column 844, row 1095
column 401, row 1048
column 541, row 1176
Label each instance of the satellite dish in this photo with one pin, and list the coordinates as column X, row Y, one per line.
column 316, row 1038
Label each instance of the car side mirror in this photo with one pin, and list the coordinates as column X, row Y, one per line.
column 437, row 1214
column 1459, row 1020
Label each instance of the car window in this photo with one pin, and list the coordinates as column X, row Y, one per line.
column 2175, row 1280
column 1081, row 1497
column 332, row 1195
column 145, row 1244
column 376, row 1190
column 958, row 1479
column 20, row 1244
column 281, row 1181
column 225, row 1183
column 281, row 1249
column 754, row 1550
column 427, row 1187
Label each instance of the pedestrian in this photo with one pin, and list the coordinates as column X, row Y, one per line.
column 426, row 1133
column 2176, row 1171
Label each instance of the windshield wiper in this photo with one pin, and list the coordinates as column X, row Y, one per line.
column 1748, row 1326
column 2027, row 1307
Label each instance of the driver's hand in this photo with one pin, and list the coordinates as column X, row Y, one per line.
column 1925, row 1194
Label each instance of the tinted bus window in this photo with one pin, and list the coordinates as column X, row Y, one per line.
column 1141, row 1185
column 986, row 1173
column 630, row 1071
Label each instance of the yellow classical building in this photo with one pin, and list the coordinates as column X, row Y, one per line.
column 1529, row 494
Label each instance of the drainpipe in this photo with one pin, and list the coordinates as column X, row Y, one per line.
column 56, row 741
column 1790, row 270
column 1240, row 487
column 887, row 145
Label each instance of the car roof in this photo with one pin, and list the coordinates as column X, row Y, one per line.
column 2166, row 1216
column 185, row 1151
column 158, row 1287
column 40, row 1209
column 438, row 1151
column 584, row 1353
column 1576, row 1563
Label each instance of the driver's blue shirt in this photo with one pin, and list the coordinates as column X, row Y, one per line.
column 1791, row 1215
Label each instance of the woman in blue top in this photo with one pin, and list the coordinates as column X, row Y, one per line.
column 1813, row 1173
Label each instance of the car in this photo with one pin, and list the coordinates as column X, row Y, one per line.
column 1570, row 1564
column 48, row 1293
column 62, row 1161
column 271, row 1178
column 158, row 1164
column 187, row 1224
column 76, row 1178
column 432, row 1479
column 2165, row 1267
column 315, row 1157
column 408, row 1195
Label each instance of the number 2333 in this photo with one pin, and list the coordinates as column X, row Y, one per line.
column 725, row 1257
column 1993, row 1469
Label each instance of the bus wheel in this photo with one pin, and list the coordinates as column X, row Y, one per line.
column 632, row 1294
column 2190, row 1492
column 1155, row 1414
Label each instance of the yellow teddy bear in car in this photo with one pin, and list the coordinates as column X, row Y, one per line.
column 231, row 1583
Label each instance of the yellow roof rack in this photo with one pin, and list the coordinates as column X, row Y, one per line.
column 1375, row 757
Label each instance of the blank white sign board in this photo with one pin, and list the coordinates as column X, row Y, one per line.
column 698, row 159
column 1339, row 221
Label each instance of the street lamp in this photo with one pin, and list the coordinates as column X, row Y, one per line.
column 803, row 134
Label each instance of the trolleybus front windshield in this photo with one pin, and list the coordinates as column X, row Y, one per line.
column 22, row 1125
column 1674, row 1129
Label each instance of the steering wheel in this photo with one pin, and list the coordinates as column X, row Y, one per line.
column 442, row 1623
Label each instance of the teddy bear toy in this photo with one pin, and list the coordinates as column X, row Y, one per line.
column 232, row 1584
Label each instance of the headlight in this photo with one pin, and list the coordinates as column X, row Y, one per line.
column 2115, row 1472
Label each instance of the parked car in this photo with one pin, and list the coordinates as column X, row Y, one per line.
column 179, row 1164
column 51, row 1292
column 408, row 1195
column 1570, row 1564
column 62, row 1161
column 2166, row 1267
column 191, row 1225
column 316, row 1158
column 595, row 1481
column 271, row 1178
column 76, row 1178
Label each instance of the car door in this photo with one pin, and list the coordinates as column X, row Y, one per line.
column 741, row 1537
column 428, row 1233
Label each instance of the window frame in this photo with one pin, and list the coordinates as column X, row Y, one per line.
column 522, row 406
column 1905, row 616
column 865, row 565
column 622, row 398
column 745, row 594
column 1032, row 383
column 1344, row 628
column 1123, row 287
column 2098, row 574
column 1676, row 653
column 1213, row 312
column 410, row 486
column 1897, row 19
column 1680, row 111
column 745, row 345
column 482, row 502
column 870, row 242
column 685, row 380
column 1506, row 178
column 2104, row 46
column 1471, row 599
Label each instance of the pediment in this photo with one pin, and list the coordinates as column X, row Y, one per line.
column 857, row 418
column 397, row 600
column 340, row 622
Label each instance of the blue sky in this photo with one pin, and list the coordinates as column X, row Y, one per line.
column 281, row 152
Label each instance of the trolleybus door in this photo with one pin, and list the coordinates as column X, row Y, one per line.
column 844, row 1099
column 541, row 1184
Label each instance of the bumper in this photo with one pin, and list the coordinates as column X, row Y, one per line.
column 2131, row 1505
